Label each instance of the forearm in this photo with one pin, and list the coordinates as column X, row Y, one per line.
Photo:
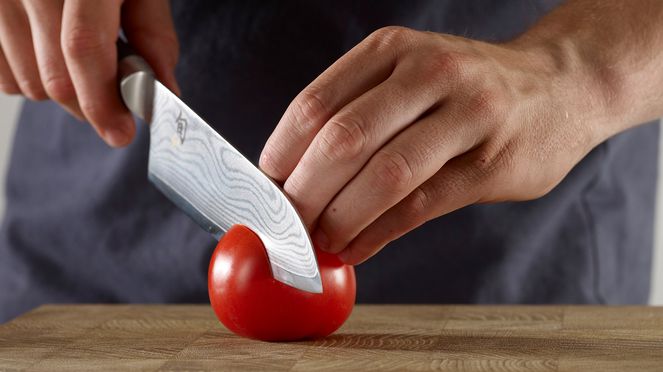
column 613, row 49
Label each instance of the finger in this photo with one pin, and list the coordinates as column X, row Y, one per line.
column 153, row 37
column 45, row 26
column 16, row 41
column 7, row 83
column 391, row 174
column 362, row 68
column 456, row 185
column 348, row 140
column 89, row 31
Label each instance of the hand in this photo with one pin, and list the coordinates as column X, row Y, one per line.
column 410, row 125
column 65, row 51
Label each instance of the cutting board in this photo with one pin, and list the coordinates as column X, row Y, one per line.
column 414, row 337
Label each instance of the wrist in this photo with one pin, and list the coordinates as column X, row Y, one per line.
column 590, row 90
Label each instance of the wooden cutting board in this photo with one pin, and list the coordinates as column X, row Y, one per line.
column 443, row 338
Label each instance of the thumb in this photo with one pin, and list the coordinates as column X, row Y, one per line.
column 148, row 25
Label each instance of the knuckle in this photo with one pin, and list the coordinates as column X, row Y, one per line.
column 60, row 88
column 444, row 64
column 393, row 171
column 487, row 105
column 83, row 41
column 308, row 110
column 390, row 37
column 486, row 161
column 343, row 139
column 482, row 164
column 416, row 206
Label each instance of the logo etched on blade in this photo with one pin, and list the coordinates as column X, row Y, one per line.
column 181, row 127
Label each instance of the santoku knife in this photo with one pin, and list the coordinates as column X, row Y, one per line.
column 210, row 180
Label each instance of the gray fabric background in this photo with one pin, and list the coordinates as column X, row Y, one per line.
column 84, row 225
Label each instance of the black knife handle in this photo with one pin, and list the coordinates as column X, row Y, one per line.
column 123, row 49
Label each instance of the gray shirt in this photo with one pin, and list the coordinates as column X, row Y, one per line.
column 84, row 225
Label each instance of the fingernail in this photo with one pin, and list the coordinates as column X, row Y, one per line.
column 320, row 240
column 118, row 136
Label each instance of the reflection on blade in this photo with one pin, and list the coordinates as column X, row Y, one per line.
column 218, row 187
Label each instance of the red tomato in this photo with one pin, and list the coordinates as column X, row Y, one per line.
column 251, row 303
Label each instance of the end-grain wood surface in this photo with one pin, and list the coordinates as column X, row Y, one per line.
column 414, row 337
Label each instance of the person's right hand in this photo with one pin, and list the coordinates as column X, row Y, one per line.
column 65, row 51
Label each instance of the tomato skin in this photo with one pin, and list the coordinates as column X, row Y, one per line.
column 251, row 303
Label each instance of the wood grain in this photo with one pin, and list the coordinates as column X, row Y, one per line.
column 415, row 337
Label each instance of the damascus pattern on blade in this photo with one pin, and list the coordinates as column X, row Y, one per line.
column 218, row 187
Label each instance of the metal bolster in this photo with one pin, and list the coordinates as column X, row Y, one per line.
column 137, row 86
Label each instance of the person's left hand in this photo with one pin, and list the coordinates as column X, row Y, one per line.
column 411, row 125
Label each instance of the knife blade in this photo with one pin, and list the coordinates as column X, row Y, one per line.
column 210, row 180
